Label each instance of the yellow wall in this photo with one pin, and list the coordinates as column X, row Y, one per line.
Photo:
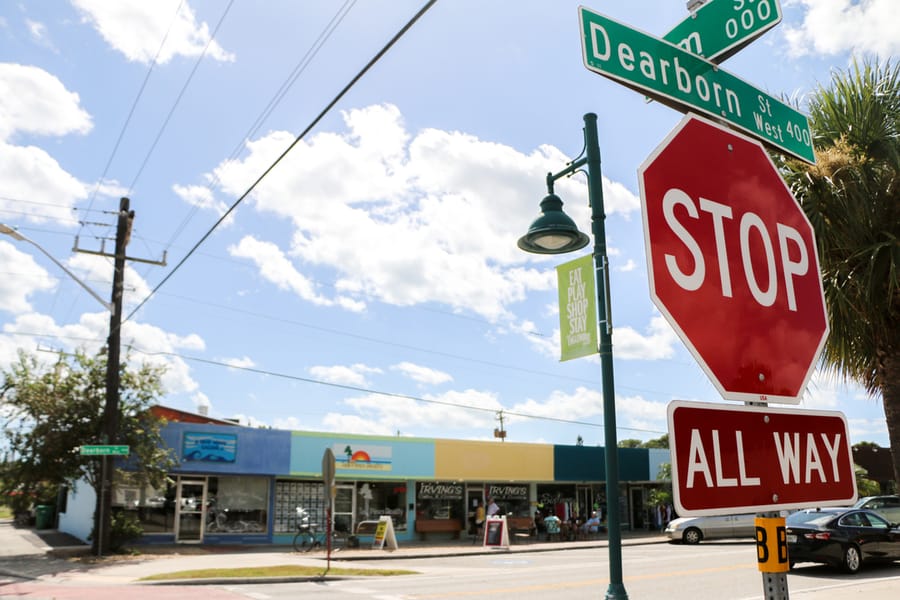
column 492, row 461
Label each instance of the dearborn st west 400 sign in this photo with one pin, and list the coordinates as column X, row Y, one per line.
column 742, row 459
column 685, row 81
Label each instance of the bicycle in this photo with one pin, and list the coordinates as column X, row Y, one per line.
column 307, row 538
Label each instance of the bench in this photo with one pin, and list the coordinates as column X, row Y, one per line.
column 366, row 527
column 426, row 526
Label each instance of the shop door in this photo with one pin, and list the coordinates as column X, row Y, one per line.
column 473, row 495
column 344, row 509
column 189, row 510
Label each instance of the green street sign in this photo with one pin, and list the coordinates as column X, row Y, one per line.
column 719, row 28
column 687, row 82
column 104, row 450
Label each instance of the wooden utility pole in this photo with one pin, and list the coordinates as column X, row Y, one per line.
column 103, row 511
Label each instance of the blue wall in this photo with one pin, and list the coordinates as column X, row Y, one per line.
column 257, row 452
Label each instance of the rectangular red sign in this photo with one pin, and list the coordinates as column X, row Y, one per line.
column 743, row 459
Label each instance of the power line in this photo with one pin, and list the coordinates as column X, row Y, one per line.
column 134, row 104
column 276, row 99
column 296, row 141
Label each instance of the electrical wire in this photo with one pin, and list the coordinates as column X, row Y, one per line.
column 184, row 88
column 296, row 141
column 134, row 105
column 276, row 99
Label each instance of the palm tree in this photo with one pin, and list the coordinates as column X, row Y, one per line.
column 852, row 198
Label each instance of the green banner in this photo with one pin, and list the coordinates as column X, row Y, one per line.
column 577, row 308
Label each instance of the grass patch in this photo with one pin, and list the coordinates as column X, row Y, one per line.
column 6, row 512
column 275, row 571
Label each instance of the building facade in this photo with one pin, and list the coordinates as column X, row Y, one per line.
column 243, row 485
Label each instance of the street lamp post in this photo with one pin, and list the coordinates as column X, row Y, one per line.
column 554, row 232
column 7, row 230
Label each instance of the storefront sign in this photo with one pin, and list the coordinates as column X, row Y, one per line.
column 363, row 457
column 508, row 492
column 431, row 490
column 209, row 447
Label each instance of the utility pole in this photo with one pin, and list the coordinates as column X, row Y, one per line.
column 103, row 510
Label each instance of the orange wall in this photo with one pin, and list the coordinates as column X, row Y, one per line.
column 492, row 461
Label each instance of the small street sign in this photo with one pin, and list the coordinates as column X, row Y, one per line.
column 720, row 28
column 104, row 450
column 732, row 262
column 744, row 459
column 687, row 82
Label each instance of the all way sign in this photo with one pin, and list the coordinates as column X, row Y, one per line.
column 744, row 459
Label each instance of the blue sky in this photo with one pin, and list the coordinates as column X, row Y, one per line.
column 371, row 282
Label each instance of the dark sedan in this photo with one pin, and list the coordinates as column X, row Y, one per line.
column 842, row 537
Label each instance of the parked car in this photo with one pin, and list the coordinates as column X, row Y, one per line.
column 886, row 506
column 691, row 530
column 841, row 537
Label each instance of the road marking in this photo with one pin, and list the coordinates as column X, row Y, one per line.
column 557, row 585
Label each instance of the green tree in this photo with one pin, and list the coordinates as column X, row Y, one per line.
column 660, row 442
column 630, row 443
column 48, row 411
column 852, row 198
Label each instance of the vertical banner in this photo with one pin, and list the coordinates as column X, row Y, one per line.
column 577, row 308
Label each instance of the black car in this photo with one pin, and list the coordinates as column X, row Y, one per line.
column 841, row 537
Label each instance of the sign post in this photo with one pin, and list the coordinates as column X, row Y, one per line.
column 328, row 473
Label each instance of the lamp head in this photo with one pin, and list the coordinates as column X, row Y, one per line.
column 7, row 230
column 554, row 232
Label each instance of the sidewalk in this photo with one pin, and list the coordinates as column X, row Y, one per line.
column 50, row 556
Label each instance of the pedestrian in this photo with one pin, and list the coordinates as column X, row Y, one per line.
column 492, row 508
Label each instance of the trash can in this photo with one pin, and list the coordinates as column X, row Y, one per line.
column 43, row 516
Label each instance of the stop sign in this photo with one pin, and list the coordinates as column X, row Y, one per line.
column 732, row 262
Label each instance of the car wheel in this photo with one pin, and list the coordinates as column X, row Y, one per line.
column 852, row 560
column 692, row 536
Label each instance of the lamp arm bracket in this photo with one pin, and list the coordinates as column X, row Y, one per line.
column 572, row 168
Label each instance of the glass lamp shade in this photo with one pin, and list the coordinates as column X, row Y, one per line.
column 554, row 232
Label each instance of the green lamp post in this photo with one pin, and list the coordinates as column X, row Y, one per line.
column 554, row 232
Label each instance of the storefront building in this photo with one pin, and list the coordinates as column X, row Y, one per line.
column 239, row 485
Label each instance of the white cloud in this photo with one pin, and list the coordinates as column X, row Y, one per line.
column 344, row 374
column 658, row 343
column 244, row 362
column 202, row 198
column 136, row 29
column 34, row 101
column 22, row 277
column 433, row 217
column 422, row 374
column 832, row 27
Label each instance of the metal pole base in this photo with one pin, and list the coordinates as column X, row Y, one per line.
column 775, row 586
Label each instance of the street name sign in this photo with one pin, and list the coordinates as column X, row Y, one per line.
column 720, row 28
column 744, row 459
column 104, row 450
column 732, row 263
column 687, row 82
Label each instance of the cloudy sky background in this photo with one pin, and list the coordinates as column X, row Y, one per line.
column 370, row 282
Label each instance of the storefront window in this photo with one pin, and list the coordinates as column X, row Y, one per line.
column 153, row 508
column 436, row 500
column 305, row 494
column 512, row 499
column 237, row 504
column 377, row 498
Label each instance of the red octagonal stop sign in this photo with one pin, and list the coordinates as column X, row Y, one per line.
column 732, row 262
